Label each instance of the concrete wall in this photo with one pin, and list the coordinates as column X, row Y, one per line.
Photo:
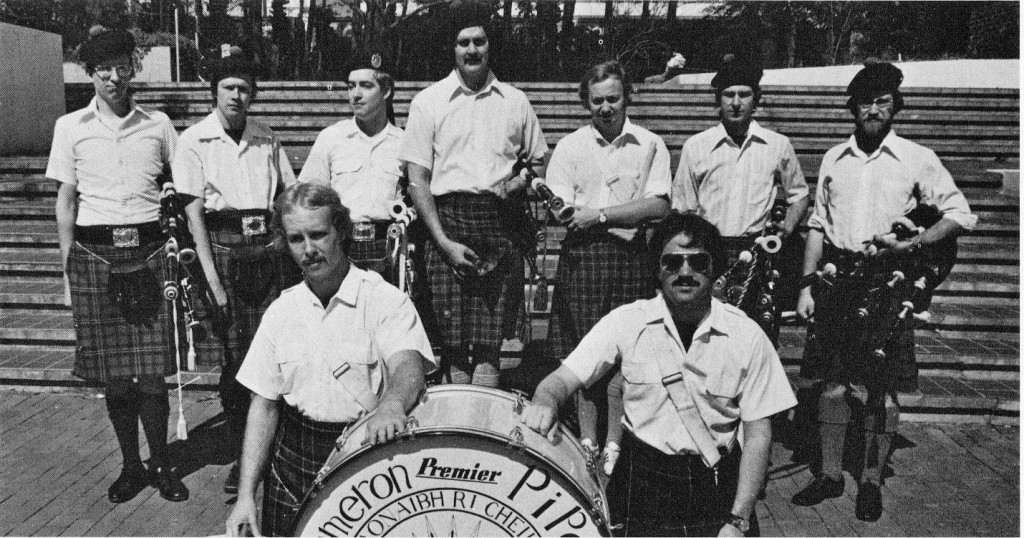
column 31, row 89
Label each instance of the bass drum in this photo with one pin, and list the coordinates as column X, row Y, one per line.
column 465, row 466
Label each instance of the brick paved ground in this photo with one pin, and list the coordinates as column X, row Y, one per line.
column 60, row 455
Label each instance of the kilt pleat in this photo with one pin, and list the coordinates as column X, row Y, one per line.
column 477, row 310
column 110, row 347
column 301, row 448
column 595, row 275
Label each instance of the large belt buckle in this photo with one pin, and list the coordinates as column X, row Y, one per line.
column 253, row 225
column 125, row 237
column 363, row 231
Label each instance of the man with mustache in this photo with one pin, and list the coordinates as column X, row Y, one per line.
column 358, row 157
column 229, row 168
column 110, row 159
column 318, row 362
column 464, row 138
column 865, row 184
column 616, row 174
column 694, row 369
column 732, row 173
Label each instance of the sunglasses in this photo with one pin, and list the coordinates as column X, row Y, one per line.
column 106, row 71
column 880, row 102
column 699, row 262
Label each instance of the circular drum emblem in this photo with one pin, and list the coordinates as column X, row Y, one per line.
column 440, row 484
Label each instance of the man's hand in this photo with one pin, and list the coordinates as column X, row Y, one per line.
column 887, row 245
column 460, row 257
column 542, row 419
column 385, row 424
column 805, row 304
column 242, row 515
column 583, row 218
column 514, row 184
column 729, row 530
column 67, row 291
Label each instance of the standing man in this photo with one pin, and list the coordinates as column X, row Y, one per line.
column 617, row 175
column 463, row 140
column 111, row 158
column 694, row 369
column 358, row 157
column 229, row 168
column 732, row 173
column 318, row 362
column 865, row 184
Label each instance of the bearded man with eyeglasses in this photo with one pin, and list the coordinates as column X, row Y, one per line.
column 694, row 370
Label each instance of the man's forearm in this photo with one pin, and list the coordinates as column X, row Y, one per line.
column 757, row 447
column 261, row 425
column 419, row 191
column 943, row 229
column 197, row 226
column 812, row 251
column 405, row 381
column 794, row 214
column 556, row 388
column 636, row 211
column 65, row 214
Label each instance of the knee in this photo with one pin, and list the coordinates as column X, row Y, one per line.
column 885, row 419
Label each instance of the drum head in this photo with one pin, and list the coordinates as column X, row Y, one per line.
column 449, row 482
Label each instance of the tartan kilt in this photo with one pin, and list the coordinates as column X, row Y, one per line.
column 371, row 256
column 478, row 310
column 109, row 347
column 835, row 349
column 596, row 274
column 228, row 346
column 301, row 448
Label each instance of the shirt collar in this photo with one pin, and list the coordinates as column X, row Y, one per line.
column 459, row 86
column 210, row 128
column 755, row 133
column 349, row 129
column 93, row 109
column 891, row 144
column 348, row 292
column 656, row 310
column 628, row 134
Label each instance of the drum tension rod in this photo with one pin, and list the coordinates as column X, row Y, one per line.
column 520, row 402
column 515, row 439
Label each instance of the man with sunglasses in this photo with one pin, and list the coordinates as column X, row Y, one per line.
column 229, row 168
column 464, row 139
column 111, row 159
column 732, row 173
column 866, row 184
column 694, row 369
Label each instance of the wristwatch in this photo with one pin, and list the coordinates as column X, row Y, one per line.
column 741, row 523
column 601, row 217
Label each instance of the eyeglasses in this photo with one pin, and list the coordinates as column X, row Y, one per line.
column 699, row 262
column 880, row 102
column 105, row 71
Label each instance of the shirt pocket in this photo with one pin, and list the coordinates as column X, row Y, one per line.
column 723, row 391
column 640, row 367
column 355, row 350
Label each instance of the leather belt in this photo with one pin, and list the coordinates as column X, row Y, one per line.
column 126, row 236
column 248, row 222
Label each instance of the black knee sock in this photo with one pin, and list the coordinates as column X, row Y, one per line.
column 154, row 411
column 122, row 407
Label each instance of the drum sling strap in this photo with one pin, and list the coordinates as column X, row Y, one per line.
column 674, row 380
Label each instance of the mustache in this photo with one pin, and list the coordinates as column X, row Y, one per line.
column 312, row 259
column 685, row 281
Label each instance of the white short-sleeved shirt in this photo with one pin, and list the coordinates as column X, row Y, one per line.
column 115, row 164
column 300, row 343
column 859, row 195
column 470, row 141
column 365, row 171
column 587, row 170
column 738, row 376
column 732, row 186
column 228, row 175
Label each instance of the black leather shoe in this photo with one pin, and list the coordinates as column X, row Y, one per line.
column 869, row 502
column 231, row 483
column 821, row 488
column 170, row 485
column 129, row 484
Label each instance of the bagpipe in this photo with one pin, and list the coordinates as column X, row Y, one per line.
column 401, row 250
column 749, row 284
column 896, row 287
column 537, row 227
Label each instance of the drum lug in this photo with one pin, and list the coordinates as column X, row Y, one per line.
column 411, row 424
column 515, row 439
column 520, row 402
